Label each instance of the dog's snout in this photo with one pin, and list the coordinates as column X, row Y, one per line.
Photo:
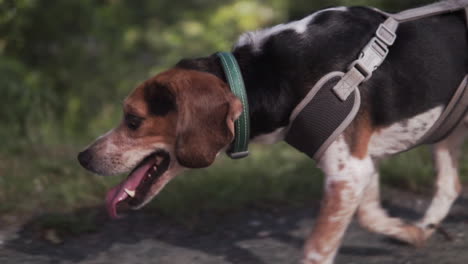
column 85, row 158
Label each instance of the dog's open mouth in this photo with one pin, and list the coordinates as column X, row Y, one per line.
column 134, row 190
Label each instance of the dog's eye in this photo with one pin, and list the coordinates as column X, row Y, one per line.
column 133, row 122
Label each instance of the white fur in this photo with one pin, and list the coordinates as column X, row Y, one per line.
column 313, row 256
column 271, row 138
column 402, row 135
column 344, row 188
column 446, row 154
column 446, row 191
column 354, row 169
column 131, row 158
column 257, row 38
column 372, row 216
column 115, row 154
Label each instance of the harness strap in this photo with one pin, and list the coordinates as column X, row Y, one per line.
column 375, row 52
column 430, row 10
column 448, row 120
column 334, row 89
column 466, row 16
column 370, row 58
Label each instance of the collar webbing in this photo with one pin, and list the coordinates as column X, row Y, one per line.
column 239, row 147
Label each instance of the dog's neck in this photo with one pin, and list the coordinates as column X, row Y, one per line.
column 270, row 94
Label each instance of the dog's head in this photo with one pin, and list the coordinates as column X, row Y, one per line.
column 177, row 119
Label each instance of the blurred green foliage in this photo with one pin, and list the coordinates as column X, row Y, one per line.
column 66, row 66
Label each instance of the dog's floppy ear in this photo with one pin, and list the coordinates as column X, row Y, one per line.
column 206, row 114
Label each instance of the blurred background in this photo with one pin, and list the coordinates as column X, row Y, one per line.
column 67, row 65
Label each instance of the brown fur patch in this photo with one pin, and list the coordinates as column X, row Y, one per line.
column 359, row 133
column 153, row 129
column 327, row 234
column 206, row 111
column 341, row 166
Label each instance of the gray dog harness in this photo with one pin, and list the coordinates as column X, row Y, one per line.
column 340, row 91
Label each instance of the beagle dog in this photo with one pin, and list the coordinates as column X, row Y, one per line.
column 184, row 117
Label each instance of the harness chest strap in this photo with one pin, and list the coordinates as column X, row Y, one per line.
column 302, row 121
column 312, row 133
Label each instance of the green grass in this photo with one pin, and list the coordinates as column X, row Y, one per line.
column 51, row 181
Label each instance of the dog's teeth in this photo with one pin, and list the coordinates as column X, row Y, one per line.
column 149, row 175
column 154, row 168
column 130, row 193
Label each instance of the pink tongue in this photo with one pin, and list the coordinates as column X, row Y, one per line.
column 117, row 194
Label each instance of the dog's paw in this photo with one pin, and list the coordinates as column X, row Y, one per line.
column 409, row 234
column 415, row 235
column 314, row 258
column 430, row 229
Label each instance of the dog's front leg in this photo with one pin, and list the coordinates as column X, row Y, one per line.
column 346, row 178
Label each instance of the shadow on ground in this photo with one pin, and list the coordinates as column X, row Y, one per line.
column 258, row 235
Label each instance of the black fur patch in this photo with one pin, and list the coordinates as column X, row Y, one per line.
column 159, row 99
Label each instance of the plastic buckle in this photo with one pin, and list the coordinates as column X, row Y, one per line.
column 370, row 58
column 385, row 35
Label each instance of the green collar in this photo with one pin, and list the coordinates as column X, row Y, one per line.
column 239, row 147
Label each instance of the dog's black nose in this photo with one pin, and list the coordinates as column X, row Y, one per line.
column 85, row 158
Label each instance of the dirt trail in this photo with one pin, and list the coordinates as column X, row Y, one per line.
column 253, row 236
